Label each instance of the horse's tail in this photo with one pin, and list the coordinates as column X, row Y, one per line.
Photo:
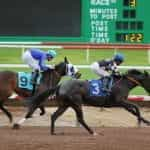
column 41, row 97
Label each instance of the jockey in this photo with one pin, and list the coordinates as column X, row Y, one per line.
column 35, row 59
column 105, row 68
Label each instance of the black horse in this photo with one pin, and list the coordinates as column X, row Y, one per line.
column 49, row 79
column 74, row 93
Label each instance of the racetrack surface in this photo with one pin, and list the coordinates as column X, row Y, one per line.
column 116, row 128
column 72, row 138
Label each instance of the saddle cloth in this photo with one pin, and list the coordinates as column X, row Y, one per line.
column 25, row 80
column 96, row 88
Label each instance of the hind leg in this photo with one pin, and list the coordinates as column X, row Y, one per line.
column 75, row 102
column 80, row 118
column 42, row 110
column 8, row 114
column 55, row 115
column 31, row 110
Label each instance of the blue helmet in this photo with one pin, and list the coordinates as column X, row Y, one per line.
column 118, row 57
column 51, row 53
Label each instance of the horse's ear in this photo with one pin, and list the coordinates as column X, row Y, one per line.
column 66, row 60
column 146, row 73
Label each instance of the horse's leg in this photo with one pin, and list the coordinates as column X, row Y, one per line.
column 75, row 102
column 133, row 108
column 55, row 115
column 42, row 110
column 6, row 112
column 31, row 110
column 79, row 114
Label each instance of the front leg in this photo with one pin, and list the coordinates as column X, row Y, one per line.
column 55, row 115
column 133, row 108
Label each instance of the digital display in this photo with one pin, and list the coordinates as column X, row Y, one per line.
column 129, row 37
column 119, row 21
column 129, row 12
column 130, row 3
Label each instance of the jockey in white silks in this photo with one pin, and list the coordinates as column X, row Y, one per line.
column 105, row 68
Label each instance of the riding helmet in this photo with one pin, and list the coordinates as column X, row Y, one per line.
column 118, row 57
column 51, row 53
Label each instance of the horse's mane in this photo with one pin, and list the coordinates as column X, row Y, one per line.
column 47, row 71
column 133, row 72
column 59, row 64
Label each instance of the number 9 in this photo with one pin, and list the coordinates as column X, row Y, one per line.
column 24, row 81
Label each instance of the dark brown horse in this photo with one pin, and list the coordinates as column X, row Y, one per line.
column 74, row 93
column 49, row 78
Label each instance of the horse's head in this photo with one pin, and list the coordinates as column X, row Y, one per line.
column 141, row 78
column 68, row 69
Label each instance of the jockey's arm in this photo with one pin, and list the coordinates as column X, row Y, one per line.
column 115, row 70
column 42, row 64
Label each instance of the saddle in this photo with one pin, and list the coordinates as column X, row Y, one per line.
column 107, row 83
column 100, row 87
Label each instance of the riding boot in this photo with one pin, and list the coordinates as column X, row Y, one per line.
column 34, row 80
column 106, row 86
column 110, row 83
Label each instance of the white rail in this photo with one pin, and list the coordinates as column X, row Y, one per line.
column 78, row 66
column 32, row 46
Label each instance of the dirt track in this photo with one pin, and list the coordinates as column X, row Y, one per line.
column 117, row 131
column 38, row 138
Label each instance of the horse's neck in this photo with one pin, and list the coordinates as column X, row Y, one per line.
column 55, row 78
column 50, row 79
column 125, row 84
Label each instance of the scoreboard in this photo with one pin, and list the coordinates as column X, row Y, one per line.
column 119, row 21
column 90, row 21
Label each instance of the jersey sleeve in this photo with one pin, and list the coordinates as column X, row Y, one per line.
column 42, row 64
column 114, row 67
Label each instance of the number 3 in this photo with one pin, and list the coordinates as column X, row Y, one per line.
column 96, row 89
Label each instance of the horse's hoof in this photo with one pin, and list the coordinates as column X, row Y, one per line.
column 41, row 114
column 16, row 126
column 53, row 133
column 95, row 134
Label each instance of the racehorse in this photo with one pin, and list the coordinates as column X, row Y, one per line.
column 49, row 79
column 74, row 93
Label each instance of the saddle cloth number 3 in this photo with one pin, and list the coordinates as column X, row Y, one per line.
column 96, row 89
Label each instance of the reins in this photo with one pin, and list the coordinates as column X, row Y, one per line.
column 133, row 80
column 129, row 78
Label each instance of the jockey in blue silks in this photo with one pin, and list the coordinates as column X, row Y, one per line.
column 35, row 59
column 105, row 68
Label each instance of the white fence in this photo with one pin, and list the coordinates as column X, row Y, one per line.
column 24, row 45
column 78, row 66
